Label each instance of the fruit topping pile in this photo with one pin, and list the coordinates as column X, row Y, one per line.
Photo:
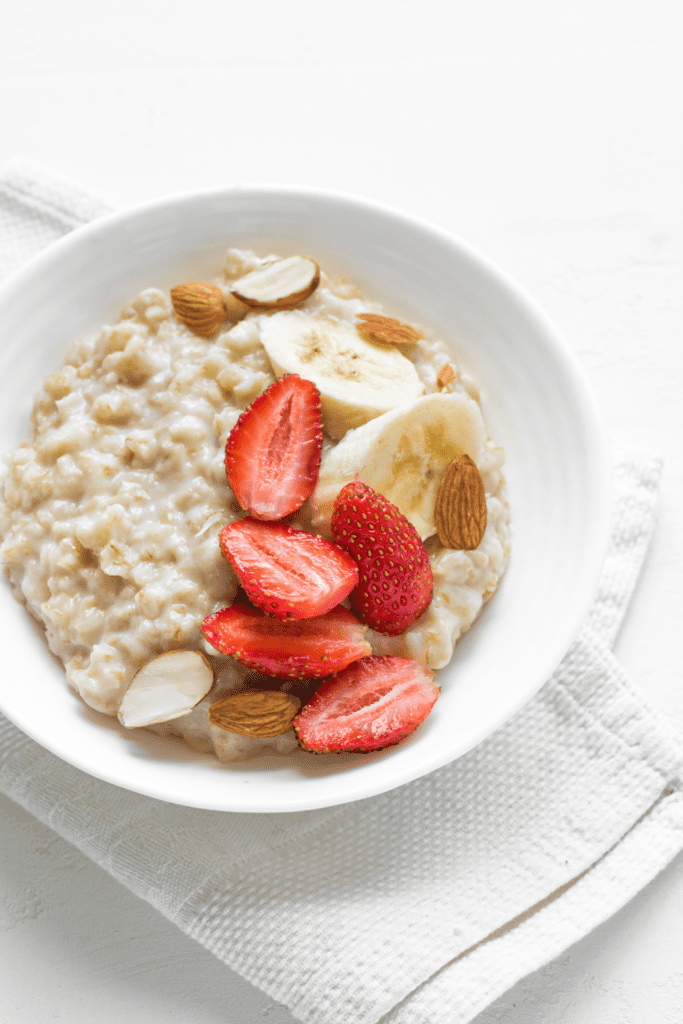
column 296, row 626
column 307, row 601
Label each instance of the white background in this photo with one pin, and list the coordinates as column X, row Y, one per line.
column 549, row 136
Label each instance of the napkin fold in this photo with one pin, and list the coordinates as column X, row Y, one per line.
column 424, row 904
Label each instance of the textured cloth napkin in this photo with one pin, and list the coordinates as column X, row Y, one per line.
column 422, row 905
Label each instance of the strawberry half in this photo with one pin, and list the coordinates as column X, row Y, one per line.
column 396, row 581
column 372, row 704
column 290, row 650
column 272, row 456
column 288, row 573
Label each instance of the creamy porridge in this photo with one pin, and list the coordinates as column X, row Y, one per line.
column 113, row 508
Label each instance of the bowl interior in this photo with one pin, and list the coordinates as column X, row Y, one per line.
column 535, row 402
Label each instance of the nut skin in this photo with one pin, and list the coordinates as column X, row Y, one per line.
column 386, row 330
column 259, row 713
column 460, row 510
column 445, row 376
column 199, row 306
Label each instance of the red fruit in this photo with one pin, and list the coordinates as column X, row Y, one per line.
column 272, row 456
column 396, row 580
column 290, row 650
column 372, row 704
column 288, row 573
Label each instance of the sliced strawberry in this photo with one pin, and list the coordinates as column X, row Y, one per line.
column 396, row 581
column 272, row 456
column 289, row 650
column 288, row 573
column 372, row 704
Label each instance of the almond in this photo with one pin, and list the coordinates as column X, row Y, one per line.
column 166, row 687
column 386, row 330
column 460, row 510
column 199, row 306
column 255, row 712
column 234, row 309
column 446, row 375
column 279, row 285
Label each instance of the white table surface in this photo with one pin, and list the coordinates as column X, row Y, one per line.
column 549, row 137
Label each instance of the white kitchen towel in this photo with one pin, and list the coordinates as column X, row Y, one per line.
column 422, row 905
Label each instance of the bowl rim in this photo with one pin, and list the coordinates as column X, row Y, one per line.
column 599, row 468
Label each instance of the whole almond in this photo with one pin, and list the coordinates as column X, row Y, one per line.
column 259, row 713
column 460, row 510
column 199, row 306
column 386, row 330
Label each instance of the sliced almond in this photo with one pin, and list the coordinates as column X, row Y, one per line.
column 199, row 306
column 255, row 712
column 445, row 376
column 279, row 285
column 386, row 330
column 460, row 510
column 166, row 687
column 234, row 309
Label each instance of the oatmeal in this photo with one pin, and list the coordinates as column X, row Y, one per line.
column 113, row 508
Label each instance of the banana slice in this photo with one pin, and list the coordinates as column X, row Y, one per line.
column 402, row 455
column 357, row 379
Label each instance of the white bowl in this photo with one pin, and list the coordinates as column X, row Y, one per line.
column 537, row 406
